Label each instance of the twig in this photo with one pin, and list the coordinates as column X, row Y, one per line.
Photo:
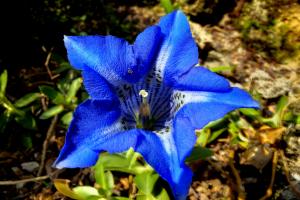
column 39, row 178
column 274, row 165
column 52, row 77
column 287, row 174
column 45, row 144
column 34, row 179
column 240, row 187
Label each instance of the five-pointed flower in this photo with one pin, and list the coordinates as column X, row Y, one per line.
column 149, row 95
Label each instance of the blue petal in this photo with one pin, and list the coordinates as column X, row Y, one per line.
column 96, row 85
column 112, row 57
column 201, row 79
column 178, row 52
column 146, row 47
column 184, row 137
column 210, row 106
column 96, row 127
column 94, row 122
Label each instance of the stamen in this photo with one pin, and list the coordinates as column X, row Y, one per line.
column 144, row 95
column 144, row 118
column 144, row 107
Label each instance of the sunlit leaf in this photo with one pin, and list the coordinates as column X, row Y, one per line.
column 27, row 99
column 51, row 112
column 167, row 5
column 119, row 162
column 203, row 137
column 105, row 180
column 250, row 112
column 67, row 118
column 215, row 135
column 145, row 182
column 163, row 195
column 79, row 192
column 74, row 87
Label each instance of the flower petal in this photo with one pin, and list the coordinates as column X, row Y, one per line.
column 178, row 52
column 210, row 106
column 95, row 128
column 96, row 85
column 146, row 47
column 94, row 122
column 111, row 57
column 160, row 151
column 184, row 137
column 201, row 79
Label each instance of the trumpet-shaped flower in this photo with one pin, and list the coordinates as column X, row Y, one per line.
column 149, row 95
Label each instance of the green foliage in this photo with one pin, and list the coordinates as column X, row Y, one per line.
column 3, row 83
column 167, row 5
column 27, row 99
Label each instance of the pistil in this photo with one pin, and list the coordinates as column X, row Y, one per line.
column 144, row 118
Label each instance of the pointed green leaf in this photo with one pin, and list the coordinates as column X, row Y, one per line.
column 3, row 82
column 215, row 135
column 55, row 96
column 163, row 195
column 27, row 99
column 51, row 112
column 67, row 118
column 119, row 162
column 167, row 5
column 145, row 182
column 79, row 192
column 74, row 87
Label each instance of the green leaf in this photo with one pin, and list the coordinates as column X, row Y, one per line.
column 27, row 99
column 62, row 67
column 86, row 192
column 167, row 5
column 163, row 195
column 74, row 87
column 27, row 121
column 3, row 82
column 145, row 182
column 215, row 135
column 67, row 118
column 199, row 153
column 221, row 69
column 203, row 137
column 119, row 162
column 250, row 112
column 55, row 96
column 55, row 110
column 4, row 119
column 27, row 142
column 104, row 179
column 120, row 198
column 79, row 192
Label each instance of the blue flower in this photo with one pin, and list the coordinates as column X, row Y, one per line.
column 149, row 95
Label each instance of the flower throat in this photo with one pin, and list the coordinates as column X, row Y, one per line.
column 144, row 119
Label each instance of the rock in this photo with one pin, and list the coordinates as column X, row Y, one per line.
column 30, row 166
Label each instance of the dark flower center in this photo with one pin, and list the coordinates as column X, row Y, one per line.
column 147, row 104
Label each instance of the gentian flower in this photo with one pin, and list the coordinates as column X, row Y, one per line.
column 149, row 95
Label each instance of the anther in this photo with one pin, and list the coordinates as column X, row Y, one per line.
column 144, row 95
